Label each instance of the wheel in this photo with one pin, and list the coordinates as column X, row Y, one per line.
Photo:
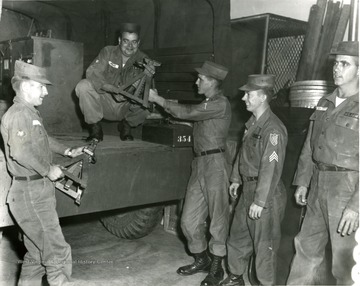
column 133, row 224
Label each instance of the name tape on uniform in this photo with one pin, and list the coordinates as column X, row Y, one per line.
column 36, row 122
column 321, row 108
column 351, row 114
column 113, row 65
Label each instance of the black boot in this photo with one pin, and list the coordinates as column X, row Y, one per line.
column 233, row 280
column 95, row 132
column 216, row 273
column 201, row 264
column 125, row 131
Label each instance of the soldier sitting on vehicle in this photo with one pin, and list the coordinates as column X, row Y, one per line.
column 114, row 66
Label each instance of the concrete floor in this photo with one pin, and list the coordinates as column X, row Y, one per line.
column 101, row 258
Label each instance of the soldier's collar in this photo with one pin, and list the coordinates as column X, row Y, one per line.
column 263, row 118
column 215, row 96
column 25, row 103
column 332, row 96
column 132, row 59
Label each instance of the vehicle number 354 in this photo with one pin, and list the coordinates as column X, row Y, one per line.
column 184, row 138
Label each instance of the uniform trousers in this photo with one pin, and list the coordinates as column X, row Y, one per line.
column 329, row 194
column 261, row 236
column 32, row 204
column 97, row 106
column 207, row 195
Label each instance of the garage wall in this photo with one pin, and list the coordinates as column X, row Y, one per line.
column 297, row 9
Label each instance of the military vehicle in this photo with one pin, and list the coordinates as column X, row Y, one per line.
column 130, row 182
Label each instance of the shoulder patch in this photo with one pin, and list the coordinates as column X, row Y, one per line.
column 20, row 133
column 274, row 139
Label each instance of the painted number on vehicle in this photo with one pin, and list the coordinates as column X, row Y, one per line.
column 184, row 138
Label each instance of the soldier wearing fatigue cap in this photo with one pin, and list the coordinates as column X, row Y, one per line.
column 31, row 198
column 114, row 66
column 258, row 167
column 207, row 188
column 329, row 165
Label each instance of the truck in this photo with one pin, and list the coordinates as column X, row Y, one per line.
column 131, row 182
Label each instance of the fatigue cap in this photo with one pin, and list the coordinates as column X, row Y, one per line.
column 259, row 81
column 28, row 71
column 213, row 70
column 130, row 28
column 346, row 49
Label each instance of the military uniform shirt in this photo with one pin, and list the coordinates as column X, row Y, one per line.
column 107, row 68
column 27, row 145
column 333, row 139
column 212, row 120
column 262, row 155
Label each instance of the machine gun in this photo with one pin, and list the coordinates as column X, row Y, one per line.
column 75, row 173
column 142, row 82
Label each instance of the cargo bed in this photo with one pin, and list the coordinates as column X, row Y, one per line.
column 126, row 174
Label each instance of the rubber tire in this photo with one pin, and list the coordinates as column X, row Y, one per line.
column 133, row 224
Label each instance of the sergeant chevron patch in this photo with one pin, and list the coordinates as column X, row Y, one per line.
column 273, row 157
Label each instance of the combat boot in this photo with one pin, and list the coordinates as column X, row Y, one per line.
column 125, row 131
column 216, row 273
column 202, row 263
column 233, row 280
column 95, row 132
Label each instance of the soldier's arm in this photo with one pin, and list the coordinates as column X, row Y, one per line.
column 235, row 173
column 353, row 203
column 203, row 111
column 22, row 148
column 305, row 165
column 349, row 221
column 56, row 146
column 95, row 72
column 59, row 148
column 271, row 165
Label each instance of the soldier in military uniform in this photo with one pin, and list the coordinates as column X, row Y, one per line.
column 329, row 165
column 207, row 188
column 31, row 198
column 114, row 66
column 258, row 167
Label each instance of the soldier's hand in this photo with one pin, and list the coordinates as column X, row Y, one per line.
column 154, row 97
column 349, row 222
column 233, row 190
column 55, row 173
column 255, row 211
column 149, row 68
column 300, row 195
column 110, row 88
column 74, row 152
